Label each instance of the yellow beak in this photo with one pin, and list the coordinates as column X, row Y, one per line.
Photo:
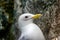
column 36, row 16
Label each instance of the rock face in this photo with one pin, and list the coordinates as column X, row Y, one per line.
column 49, row 22
column 6, row 19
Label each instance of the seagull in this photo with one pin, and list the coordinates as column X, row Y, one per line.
column 29, row 30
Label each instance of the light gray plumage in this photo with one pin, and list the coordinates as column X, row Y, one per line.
column 29, row 30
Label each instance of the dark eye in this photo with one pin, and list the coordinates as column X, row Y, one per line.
column 26, row 16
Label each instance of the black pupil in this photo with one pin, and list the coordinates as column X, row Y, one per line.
column 26, row 16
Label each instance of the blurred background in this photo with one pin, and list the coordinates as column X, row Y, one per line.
column 49, row 23
column 6, row 20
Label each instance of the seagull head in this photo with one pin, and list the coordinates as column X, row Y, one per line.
column 27, row 18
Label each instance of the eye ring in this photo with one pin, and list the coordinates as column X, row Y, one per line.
column 26, row 16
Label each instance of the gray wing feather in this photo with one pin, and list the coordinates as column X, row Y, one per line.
column 24, row 38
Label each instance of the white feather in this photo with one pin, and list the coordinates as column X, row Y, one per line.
column 29, row 30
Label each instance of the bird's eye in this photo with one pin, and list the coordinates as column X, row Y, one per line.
column 26, row 16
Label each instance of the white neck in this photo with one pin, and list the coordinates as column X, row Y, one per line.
column 22, row 24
